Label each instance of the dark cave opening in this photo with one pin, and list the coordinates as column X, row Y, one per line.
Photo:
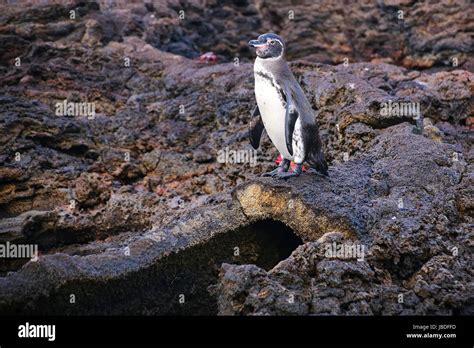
column 265, row 243
column 192, row 272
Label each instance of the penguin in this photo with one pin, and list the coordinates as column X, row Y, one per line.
column 283, row 111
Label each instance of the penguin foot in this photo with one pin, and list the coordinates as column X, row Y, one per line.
column 286, row 175
column 282, row 168
column 296, row 172
column 275, row 172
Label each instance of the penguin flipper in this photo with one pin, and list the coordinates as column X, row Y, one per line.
column 256, row 128
column 290, row 120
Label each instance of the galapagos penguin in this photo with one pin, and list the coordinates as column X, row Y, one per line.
column 283, row 111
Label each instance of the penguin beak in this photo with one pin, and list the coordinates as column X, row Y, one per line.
column 257, row 44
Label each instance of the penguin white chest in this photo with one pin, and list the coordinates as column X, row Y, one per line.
column 273, row 110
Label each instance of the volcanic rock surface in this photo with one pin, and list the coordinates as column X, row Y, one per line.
column 133, row 212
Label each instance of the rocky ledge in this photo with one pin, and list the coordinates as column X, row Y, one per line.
column 133, row 212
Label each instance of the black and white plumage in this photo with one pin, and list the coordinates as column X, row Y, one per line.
column 283, row 110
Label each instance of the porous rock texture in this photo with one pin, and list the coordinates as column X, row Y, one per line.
column 420, row 249
column 134, row 214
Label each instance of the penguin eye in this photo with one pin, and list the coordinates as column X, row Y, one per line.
column 272, row 42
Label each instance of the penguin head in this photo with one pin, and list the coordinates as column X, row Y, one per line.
column 269, row 45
